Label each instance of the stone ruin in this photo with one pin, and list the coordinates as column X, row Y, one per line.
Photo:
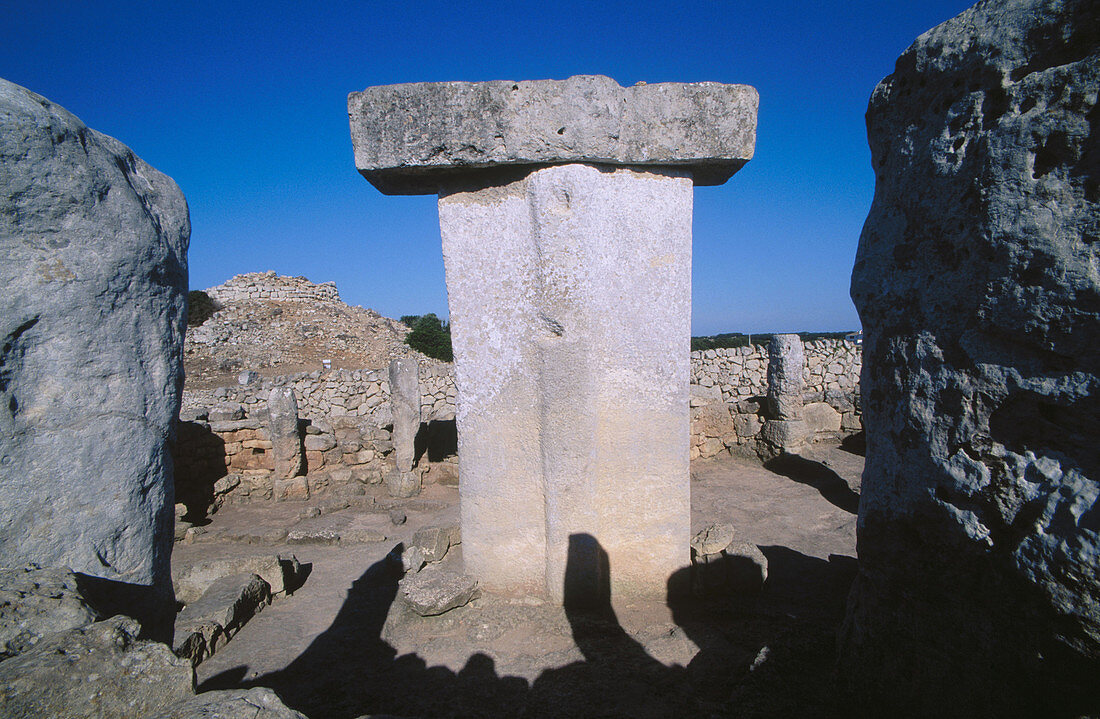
column 565, row 211
column 978, row 591
column 979, row 544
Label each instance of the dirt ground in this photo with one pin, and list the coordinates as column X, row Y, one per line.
column 343, row 645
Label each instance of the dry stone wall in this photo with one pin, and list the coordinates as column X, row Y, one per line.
column 831, row 367
column 228, row 457
column 271, row 286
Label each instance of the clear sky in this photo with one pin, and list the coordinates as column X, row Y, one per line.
column 244, row 105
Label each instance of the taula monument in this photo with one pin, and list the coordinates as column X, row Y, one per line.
column 565, row 212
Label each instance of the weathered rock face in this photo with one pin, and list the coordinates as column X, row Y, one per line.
column 36, row 602
column 976, row 280
column 255, row 703
column 93, row 262
column 101, row 670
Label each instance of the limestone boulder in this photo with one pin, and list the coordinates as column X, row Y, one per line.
column 93, row 262
column 100, row 671
column 978, row 591
column 435, row 590
column 36, row 602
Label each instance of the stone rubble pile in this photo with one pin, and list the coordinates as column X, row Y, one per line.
column 271, row 286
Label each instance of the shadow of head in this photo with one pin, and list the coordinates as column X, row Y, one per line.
column 587, row 576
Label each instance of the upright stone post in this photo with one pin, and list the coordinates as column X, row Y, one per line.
column 785, row 430
column 565, row 213
column 405, row 409
column 286, row 439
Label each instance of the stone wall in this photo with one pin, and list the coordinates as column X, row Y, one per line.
column 271, row 286
column 224, row 447
column 832, row 366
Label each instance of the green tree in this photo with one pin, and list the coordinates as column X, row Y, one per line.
column 429, row 335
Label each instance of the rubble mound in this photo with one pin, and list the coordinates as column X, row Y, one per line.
column 282, row 325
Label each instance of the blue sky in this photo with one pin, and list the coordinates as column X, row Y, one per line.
column 244, row 105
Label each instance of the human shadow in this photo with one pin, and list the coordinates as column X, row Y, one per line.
column 350, row 670
column 831, row 485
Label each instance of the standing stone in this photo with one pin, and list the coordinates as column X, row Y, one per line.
column 976, row 280
column 93, row 265
column 405, row 406
column 565, row 211
column 286, row 439
column 785, row 430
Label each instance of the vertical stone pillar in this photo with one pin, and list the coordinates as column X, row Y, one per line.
column 286, row 439
column 573, row 414
column 565, row 212
column 405, row 410
column 785, row 431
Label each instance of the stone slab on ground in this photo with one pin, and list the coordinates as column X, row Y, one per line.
column 406, row 135
column 36, row 602
column 281, row 572
column 100, row 671
column 210, row 621
column 348, row 526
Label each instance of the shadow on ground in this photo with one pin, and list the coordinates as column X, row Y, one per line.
column 769, row 654
column 831, row 485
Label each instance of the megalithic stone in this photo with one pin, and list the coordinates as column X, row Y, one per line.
column 286, row 439
column 565, row 212
column 405, row 408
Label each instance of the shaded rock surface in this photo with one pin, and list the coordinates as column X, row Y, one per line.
column 257, row 703
column 36, row 602
column 979, row 532
column 93, row 261
column 100, row 671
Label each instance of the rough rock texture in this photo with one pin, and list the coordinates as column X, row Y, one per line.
column 569, row 296
column 35, row 602
column 286, row 439
column 405, row 408
column 976, row 280
column 435, row 590
column 93, row 262
column 256, row 703
column 407, row 136
column 100, row 671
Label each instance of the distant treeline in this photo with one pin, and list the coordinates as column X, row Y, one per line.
column 738, row 339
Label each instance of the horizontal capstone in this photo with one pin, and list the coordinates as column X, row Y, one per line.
column 410, row 137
